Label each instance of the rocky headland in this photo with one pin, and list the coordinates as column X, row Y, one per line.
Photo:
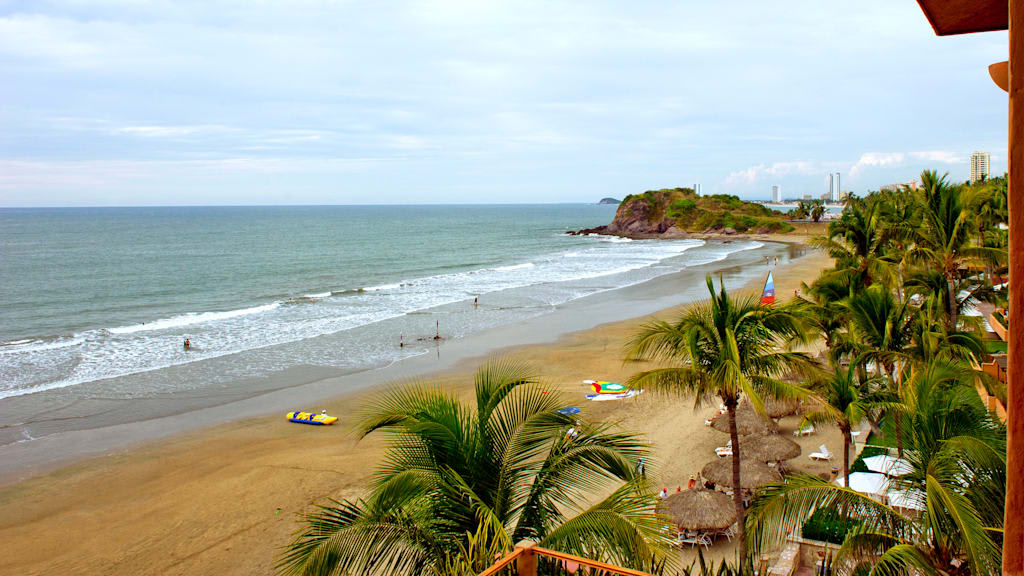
column 680, row 213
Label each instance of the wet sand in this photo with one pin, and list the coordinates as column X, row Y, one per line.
column 223, row 499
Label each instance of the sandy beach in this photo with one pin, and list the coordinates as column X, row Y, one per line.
column 223, row 499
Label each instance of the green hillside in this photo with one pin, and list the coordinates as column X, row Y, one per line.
column 681, row 208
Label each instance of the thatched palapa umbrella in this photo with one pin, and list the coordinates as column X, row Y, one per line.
column 752, row 473
column 699, row 510
column 748, row 421
column 768, row 448
column 779, row 408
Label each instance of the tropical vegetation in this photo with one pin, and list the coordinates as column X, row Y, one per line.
column 897, row 317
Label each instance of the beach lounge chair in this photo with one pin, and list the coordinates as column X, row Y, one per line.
column 804, row 430
column 695, row 539
column 723, row 451
column 822, row 454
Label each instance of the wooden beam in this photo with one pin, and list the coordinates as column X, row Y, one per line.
column 1000, row 73
column 526, row 564
column 1013, row 537
column 600, row 567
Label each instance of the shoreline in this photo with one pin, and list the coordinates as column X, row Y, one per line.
column 302, row 387
column 222, row 497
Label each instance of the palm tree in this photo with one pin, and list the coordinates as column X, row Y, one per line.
column 844, row 400
column 725, row 347
column 858, row 243
column 822, row 308
column 956, row 455
column 458, row 477
column 817, row 210
column 944, row 240
column 881, row 326
column 882, row 329
column 900, row 220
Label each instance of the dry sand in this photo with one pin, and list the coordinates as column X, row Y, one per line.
column 224, row 500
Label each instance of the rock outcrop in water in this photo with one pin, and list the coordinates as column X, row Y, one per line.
column 609, row 201
column 678, row 212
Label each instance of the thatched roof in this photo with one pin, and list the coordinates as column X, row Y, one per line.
column 779, row 408
column 748, row 421
column 699, row 510
column 768, row 448
column 752, row 473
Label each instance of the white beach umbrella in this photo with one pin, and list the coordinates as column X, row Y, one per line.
column 890, row 465
column 970, row 311
column 906, row 499
column 866, row 482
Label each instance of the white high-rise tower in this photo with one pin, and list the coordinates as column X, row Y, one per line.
column 776, row 193
column 979, row 166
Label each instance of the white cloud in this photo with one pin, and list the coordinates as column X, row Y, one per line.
column 40, row 37
column 170, row 131
column 892, row 159
column 754, row 173
column 940, row 156
column 407, row 142
column 19, row 175
column 602, row 95
column 876, row 159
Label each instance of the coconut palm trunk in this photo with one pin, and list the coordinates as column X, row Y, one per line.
column 898, row 422
column 951, row 290
column 737, row 495
column 847, row 440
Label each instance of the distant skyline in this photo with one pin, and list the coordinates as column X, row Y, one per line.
column 316, row 102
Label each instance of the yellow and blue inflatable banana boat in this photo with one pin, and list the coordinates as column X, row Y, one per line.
column 321, row 419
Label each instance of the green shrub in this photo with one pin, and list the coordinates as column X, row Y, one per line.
column 681, row 208
column 826, row 525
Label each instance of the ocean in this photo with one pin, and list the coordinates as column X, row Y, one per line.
column 96, row 302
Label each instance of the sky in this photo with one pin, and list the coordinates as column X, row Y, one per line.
column 114, row 103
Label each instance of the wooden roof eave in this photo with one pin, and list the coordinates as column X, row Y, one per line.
column 949, row 17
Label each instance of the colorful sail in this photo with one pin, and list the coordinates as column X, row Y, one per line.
column 768, row 295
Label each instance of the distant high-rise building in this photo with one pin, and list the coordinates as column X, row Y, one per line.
column 979, row 166
column 776, row 193
column 835, row 191
column 831, row 183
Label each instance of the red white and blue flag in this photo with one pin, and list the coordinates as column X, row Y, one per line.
column 768, row 296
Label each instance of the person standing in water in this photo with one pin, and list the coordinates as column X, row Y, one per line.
column 476, row 301
column 188, row 344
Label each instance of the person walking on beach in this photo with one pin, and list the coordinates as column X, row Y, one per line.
column 640, row 467
column 476, row 301
column 776, row 260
